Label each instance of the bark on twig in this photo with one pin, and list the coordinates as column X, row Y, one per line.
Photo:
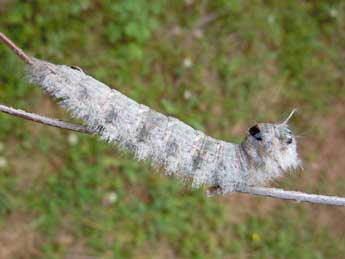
column 44, row 120
column 18, row 51
column 293, row 195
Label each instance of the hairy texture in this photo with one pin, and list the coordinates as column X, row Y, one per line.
column 169, row 143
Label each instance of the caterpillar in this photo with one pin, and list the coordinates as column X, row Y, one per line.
column 265, row 153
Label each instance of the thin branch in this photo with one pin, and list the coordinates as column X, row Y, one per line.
column 44, row 120
column 18, row 51
column 259, row 191
column 293, row 195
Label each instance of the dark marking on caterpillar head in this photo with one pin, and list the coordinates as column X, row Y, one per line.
column 255, row 132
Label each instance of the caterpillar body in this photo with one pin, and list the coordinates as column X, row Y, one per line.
column 267, row 151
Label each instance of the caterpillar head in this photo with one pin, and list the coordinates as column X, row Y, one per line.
column 270, row 149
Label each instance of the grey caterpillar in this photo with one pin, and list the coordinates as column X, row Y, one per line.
column 267, row 151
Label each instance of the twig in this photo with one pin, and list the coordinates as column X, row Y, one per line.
column 259, row 191
column 44, row 120
column 293, row 195
column 19, row 52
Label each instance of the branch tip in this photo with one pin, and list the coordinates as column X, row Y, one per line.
column 18, row 51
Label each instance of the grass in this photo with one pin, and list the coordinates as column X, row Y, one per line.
column 257, row 62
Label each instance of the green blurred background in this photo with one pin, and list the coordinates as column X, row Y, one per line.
column 218, row 65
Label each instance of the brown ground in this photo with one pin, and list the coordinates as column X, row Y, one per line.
column 17, row 239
